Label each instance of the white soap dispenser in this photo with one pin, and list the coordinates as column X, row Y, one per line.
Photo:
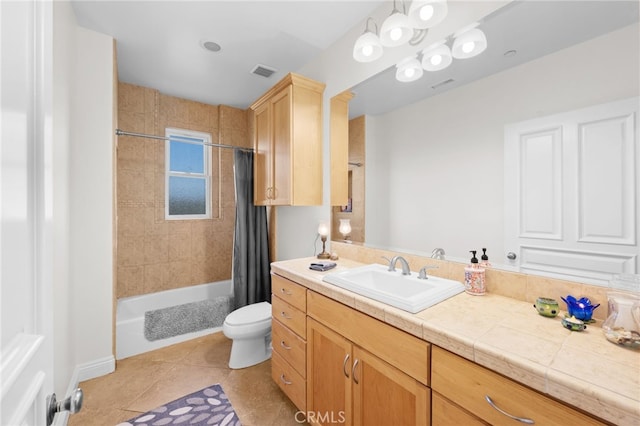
column 474, row 277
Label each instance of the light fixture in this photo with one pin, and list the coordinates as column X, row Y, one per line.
column 323, row 230
column 368, row 47
column 436, row 57
column 409, row 69
column 395, row 30
column 345, row 229
column 427, row 13
column 469, row 42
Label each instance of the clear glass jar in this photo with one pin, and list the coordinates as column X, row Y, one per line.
column 622, row 325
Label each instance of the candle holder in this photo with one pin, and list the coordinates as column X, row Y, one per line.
column 345, row 229
column 323, row 230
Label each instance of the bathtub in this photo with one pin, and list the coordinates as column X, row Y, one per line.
column 130, row 311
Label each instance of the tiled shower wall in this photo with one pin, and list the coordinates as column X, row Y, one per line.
column 154, row 254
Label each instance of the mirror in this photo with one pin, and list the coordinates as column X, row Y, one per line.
column 433, row 157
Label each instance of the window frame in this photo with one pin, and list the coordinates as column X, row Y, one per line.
column 206, row 175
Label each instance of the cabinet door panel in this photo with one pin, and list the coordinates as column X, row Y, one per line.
column 281, row 109
column 328, row 376
column 385, row 395
column 261, row 162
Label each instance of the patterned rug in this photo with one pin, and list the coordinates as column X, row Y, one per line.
column 208, row 406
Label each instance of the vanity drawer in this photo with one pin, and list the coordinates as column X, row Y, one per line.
column 290, row 317
column 294, row 294
column 291, row 383
column 467, row 383
column 291, row 347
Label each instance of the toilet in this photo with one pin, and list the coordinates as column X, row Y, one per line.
column 250, row 329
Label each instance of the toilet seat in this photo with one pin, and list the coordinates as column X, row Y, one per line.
column 250, row 314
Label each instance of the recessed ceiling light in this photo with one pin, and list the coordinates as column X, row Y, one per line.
column 210, row 46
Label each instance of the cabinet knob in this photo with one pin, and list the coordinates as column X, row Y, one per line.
column 283, row 291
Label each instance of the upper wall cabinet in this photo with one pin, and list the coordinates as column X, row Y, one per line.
column 288, row 143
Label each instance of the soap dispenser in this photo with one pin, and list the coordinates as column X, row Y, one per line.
column 474, row 277
column 484, row 259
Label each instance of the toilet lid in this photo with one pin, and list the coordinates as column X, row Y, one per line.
column 250, row 314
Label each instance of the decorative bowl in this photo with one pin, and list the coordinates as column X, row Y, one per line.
column 581, row 308
column 547, row 307
column 573, row 324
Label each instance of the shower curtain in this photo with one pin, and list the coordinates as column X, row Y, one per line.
column 251, row 278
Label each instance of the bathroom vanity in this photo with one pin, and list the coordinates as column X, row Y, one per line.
column 344, row 358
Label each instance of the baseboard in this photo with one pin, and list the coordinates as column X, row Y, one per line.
column 97, row 368
column 82, row 372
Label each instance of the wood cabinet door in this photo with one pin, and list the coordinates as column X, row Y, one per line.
column 329, row 361
column 262, row 160
column 384, row 395
column 282, row 122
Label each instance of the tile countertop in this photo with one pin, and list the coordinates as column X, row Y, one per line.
column 508, row 336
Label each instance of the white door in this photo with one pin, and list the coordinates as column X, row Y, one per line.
column 26, row 357
column 572, row 206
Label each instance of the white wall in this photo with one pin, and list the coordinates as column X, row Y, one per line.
column 64, row 25
column 297, row 226
column 91, row 202
column 436, row 167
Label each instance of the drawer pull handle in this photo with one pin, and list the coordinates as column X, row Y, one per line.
column 284, row 314
column 283, row 291
column 353, row 372
column 344, row 366
column 520, row 419
column 285, row 381
column 284, row 345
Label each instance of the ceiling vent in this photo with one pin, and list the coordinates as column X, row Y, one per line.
column 442, row 83
column 263, row 71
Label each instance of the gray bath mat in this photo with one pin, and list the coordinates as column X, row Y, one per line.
column 181, row 319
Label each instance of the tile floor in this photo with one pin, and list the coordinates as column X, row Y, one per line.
column 143, row 382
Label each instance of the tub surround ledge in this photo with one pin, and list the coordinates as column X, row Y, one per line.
column 507, row 336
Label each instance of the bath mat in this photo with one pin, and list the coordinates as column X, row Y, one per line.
column 186, row 318
column 208, row 406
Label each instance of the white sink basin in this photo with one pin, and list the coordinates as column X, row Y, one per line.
column 406, row 292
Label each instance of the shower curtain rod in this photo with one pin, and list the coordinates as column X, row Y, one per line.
column 144, row 135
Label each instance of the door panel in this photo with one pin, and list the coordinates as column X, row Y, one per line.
column 385, row 395
column 572, row 198
column 26, row 248
column 328, row 375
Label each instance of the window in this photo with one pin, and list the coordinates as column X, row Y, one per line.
column 188, row 175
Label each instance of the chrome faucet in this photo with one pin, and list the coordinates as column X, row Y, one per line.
column 437, row 253
column 403, row 262
column 423, row 271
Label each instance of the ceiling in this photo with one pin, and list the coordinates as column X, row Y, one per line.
column 159, row 43
column 530, row 28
